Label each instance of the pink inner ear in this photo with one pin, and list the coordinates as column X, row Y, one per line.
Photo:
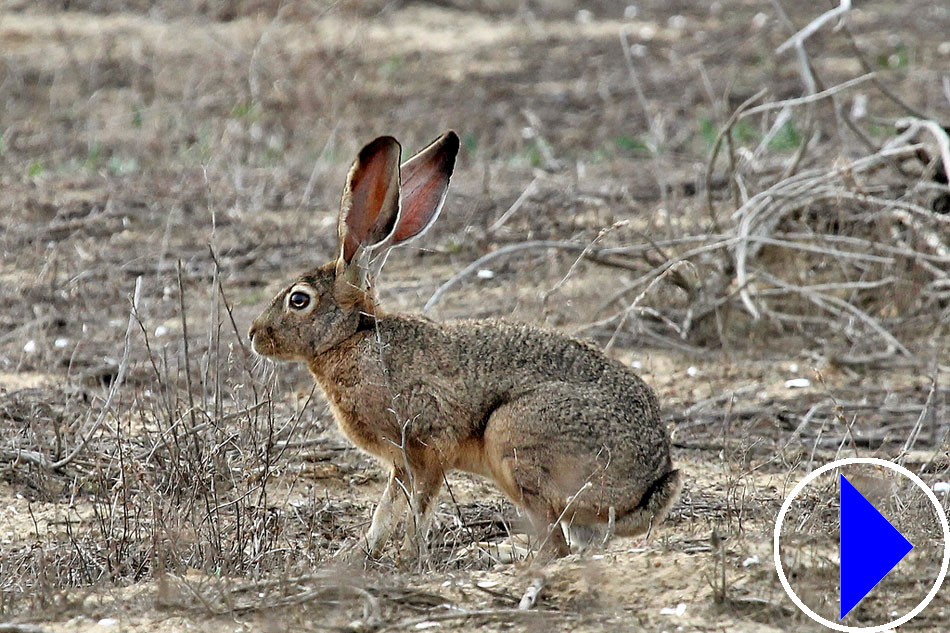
column 425, row 179
column 373, row 196
column 422, row 195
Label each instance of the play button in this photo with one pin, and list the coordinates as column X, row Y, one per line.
column 893, row 542
column 870, row 547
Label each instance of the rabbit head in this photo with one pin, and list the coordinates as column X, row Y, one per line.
column 384, row 204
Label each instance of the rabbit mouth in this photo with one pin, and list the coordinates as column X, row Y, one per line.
column 263, row 347
column 262, row 341
column 256, row 346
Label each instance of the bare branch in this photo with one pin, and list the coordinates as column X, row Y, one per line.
column 814, row 25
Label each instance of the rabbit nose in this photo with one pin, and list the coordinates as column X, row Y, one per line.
column 257, row 330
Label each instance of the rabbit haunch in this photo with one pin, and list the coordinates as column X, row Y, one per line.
column 566, row 433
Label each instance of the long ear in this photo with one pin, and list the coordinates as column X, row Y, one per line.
column 425, row 181
column 370, row 203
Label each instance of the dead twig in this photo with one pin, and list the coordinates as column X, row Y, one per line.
column 807, row 99
column 12, row 627
column 814, row 25
column 520, row 200
column 588, row 252
column 717, row 145
column 113, row 388
column 531, row 594
column 482, row 616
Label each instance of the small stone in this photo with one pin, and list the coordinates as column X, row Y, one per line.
column 678, row 610
column 859, row 107
column 638, row 50
column 647, row 32
column 677, row 22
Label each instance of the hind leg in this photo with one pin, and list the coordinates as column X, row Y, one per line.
column 545, row 521
column 519, row 470
column 654, row 506
column 568, row 455
column 516, row 472
column 582, row 537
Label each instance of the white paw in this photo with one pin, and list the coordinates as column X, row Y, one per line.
column 506, row 552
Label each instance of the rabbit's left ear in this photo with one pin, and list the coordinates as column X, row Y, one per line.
column 370, row 202
column 425, row 181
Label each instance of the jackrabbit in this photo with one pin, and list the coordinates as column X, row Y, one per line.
column 569, row 435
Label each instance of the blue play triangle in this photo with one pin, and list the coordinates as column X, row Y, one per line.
column 870, row 547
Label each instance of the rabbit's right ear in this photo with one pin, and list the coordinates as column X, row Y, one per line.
column 370, row 202
column 425, row 181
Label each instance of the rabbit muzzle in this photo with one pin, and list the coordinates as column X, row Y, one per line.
column 264, row 342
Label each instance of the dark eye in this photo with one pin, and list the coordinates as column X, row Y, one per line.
column 299, row 300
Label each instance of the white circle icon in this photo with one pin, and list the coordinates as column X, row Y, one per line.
column 941, row 516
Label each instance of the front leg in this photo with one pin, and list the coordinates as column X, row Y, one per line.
column 391, row 507
column 426, row 486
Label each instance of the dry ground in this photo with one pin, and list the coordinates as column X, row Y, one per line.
column 154, row 476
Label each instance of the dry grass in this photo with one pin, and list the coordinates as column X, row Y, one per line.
column 722, row 215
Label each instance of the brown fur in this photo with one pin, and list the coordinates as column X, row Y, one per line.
column 565, row 432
